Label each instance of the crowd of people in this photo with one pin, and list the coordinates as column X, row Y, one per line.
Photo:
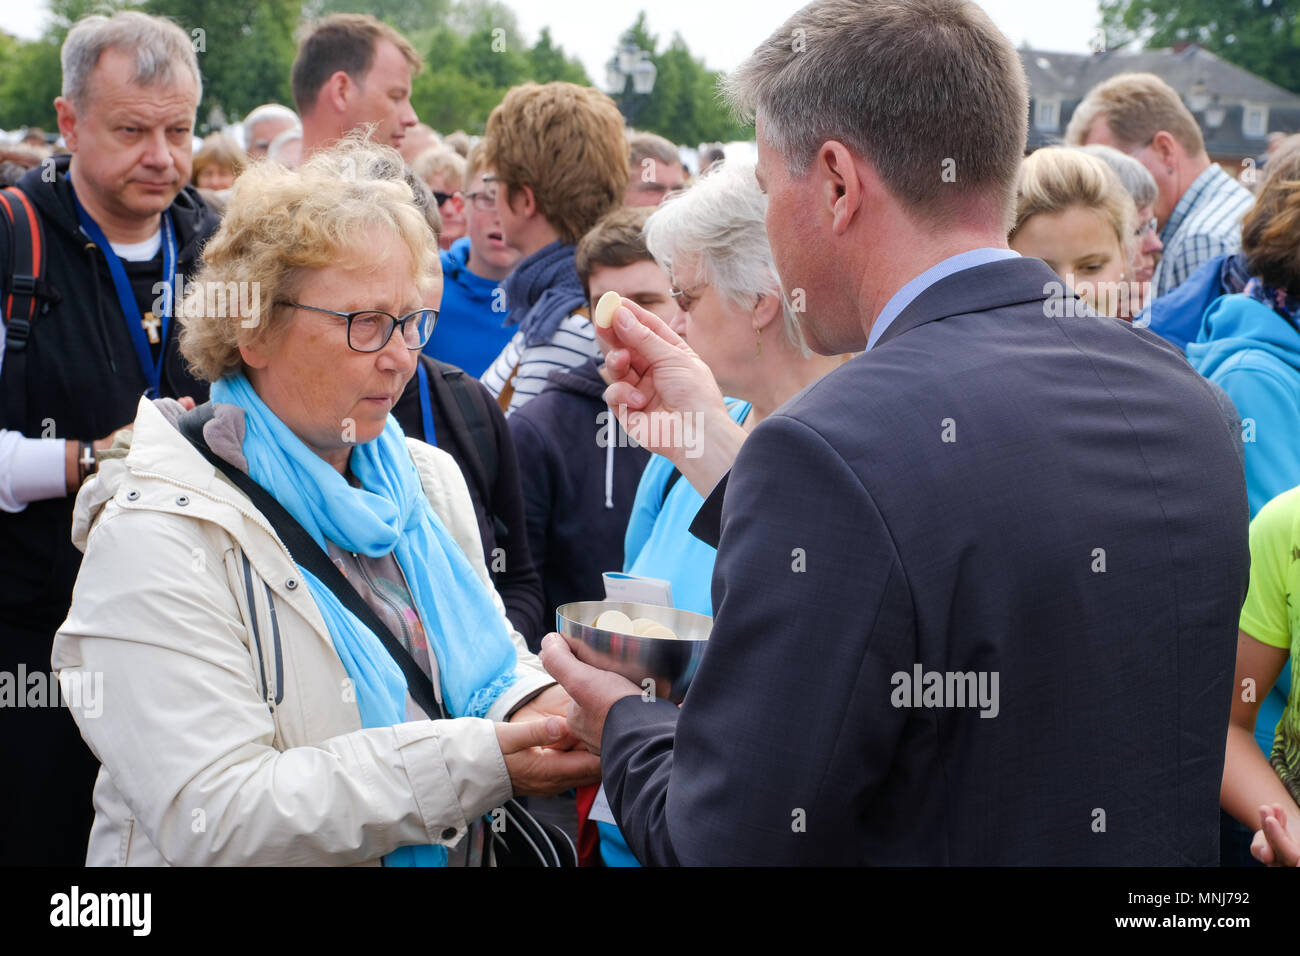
column 303, row 423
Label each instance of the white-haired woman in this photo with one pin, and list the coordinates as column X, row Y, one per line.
column 248, row 714
column 712, row 242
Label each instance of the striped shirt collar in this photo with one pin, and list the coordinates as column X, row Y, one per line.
column 1210, row 184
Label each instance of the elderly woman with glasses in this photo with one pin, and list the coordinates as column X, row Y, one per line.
column 242, row 711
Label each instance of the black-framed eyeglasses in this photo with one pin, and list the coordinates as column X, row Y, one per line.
column 442, row 198
column 370, row 329
column 483, row 200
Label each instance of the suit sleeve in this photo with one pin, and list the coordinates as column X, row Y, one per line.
column 520, row 584
column 787, row 731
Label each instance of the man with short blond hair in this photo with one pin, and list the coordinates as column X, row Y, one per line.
column 354, row 72
column 1200, row 206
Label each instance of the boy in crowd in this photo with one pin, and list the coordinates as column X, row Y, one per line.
column 560, row 161
column 471, row 329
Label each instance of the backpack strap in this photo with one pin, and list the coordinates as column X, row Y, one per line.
column 26, row 284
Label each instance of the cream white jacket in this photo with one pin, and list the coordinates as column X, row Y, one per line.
column 227, row 731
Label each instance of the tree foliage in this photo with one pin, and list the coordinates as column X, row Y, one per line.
column 1262, row 36
column 683, row 106
column 474, row 52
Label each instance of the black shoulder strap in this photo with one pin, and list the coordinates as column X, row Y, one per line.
column 473, row 408
column 26, row 281
column 668, row 485
column 308, row 554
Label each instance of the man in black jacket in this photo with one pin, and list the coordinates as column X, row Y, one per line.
column 977, row 590
column 118, row 225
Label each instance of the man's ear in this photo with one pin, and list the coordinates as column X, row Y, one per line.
column 527, row 200
column 67, row 118
column 337, row 92
column 1168, row 149
column 843, row 187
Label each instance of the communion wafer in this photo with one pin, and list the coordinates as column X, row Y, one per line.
column 615, row 621
column 605, row 308
column 639, row 624
column 660, row 632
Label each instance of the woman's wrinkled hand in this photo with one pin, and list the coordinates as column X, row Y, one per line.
column 536, row 767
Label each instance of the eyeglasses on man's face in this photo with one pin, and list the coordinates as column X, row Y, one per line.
column 484, row 200
column 370, row 329
column 1146, row 228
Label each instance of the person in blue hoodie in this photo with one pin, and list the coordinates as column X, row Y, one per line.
column 471, row 329
column 1248, row 344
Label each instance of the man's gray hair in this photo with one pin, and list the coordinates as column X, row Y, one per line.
column 930, row 92
column 1133, row 176
column 263, row 113
column 717, row 225
column 160, row 47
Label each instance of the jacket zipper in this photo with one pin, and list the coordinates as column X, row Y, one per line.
column 257, row 633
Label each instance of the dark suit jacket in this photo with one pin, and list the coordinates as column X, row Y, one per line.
column 995, row 491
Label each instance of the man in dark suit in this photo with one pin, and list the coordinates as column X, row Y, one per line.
column 976, row 591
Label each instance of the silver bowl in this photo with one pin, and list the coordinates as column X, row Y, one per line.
column 671, row 664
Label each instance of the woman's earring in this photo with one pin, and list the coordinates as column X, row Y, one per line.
column 758, row 352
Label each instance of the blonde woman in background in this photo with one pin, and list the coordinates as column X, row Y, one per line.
column 1073, row 213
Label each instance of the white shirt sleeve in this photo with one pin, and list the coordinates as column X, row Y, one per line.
column 31, row 469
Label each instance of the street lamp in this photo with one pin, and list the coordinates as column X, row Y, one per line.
column 630, row 62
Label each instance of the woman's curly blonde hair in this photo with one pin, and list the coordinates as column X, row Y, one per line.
column 283, row 222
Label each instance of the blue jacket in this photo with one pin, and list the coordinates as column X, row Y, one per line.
column 469, row 333
column 1176, row 316
column 1253, row 354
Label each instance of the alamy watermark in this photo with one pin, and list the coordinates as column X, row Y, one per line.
column 73, row 689
column 663, row 430
column 946, row 689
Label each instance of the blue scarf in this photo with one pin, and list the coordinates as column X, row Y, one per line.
column 543, row 291
column 389, row 513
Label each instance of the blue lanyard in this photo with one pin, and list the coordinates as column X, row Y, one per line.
column 126, row 295
column 426, row 406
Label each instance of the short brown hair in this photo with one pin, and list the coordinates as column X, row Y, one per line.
column 1270, row 233
column 930, row 92
column 342, row 41
column 616, row 241
column 1136, row 106
column 218, row 150
column 566, row 143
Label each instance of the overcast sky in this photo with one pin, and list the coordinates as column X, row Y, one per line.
column 721, row 32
